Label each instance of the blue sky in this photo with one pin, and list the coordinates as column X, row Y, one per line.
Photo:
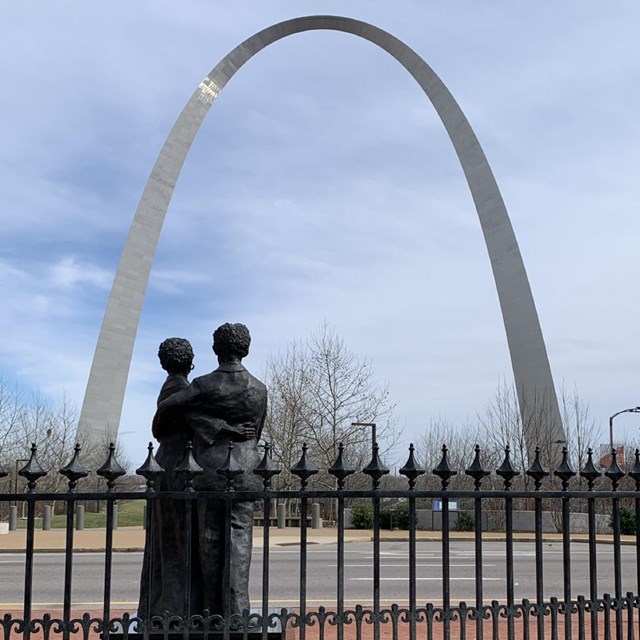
column 322, row 186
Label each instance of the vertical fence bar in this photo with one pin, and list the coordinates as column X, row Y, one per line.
column 446, row 570
column 108, row 568
column 412, row 567
column 606, row 598
column 376, row 568
column 508, row 473
column 566, row 565
column 615, row 474
column 265, row 563
column 68, row 566
column 340, row 562
column 412, row 472
column 538, row 473
column 477, row 512
column 304, row 469
column 226, row 579
column 73, row 471
column 591, row 474
column 477, row 472
column 539, row 567
column 28, row 570
column 617, row 565
column 32, row 471
column 593, row 567
column 110, row 471
column 303, row 567
column 189, row 506
column 565, row 473
column 148, row 545
column 341, row 471
column 508, row 506
column 375, row 469
column 629, row 605
column 445, row 472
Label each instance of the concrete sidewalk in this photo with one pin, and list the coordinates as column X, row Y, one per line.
column 132, row 538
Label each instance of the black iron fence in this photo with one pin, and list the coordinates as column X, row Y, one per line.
column 593, row 593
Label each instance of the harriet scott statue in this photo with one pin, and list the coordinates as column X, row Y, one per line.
column 225, row 406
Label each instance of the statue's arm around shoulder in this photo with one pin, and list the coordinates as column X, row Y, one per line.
column 174, row 405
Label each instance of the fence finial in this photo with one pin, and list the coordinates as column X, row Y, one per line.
column 444, row 470
column 150, row 470
column 304, row 469
column 32, row 471
column 340, row 469
column 537, row 471
column 267, row 468
column 74, row 470
column 476, row 470
column 411, row 470
column 590, row 472
column 506, row 470
column 111, row 469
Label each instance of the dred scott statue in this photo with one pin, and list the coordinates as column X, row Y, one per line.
column 225, row 406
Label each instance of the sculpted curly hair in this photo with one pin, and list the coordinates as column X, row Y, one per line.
column 176, row 355
column 231, row 340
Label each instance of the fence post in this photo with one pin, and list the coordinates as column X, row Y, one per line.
column 46, row 517
column 115, row 516
column 13, row 518
column 282, row 516
column 144, row 517
column 80, row 517
column 316, row 520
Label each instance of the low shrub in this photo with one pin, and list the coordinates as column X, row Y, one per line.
column 395, row 516
column 362, row 515
column 627, row 521
column 465, row 522
column 392, row 517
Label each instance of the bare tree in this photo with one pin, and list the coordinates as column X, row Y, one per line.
column 317, row 390
column 502, row 426
column 460, row 441
column 52, row 426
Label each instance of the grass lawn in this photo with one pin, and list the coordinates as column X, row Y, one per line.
column 130, row 514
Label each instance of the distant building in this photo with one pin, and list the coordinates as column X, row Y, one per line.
column 605, row 455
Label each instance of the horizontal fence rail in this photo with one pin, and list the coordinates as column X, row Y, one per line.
column 591, row 595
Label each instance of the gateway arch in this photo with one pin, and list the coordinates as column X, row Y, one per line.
column 102, row 406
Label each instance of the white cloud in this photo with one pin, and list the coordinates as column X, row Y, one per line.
column 68, row 272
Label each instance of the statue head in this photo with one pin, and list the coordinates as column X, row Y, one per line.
column 176, row 355
column 231, row 342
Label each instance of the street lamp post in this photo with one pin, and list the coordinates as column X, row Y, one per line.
column 374, row 439
column 632, row 410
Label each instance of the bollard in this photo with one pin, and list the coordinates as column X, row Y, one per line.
column 80, row 517
column 46, row 517
column 13, row 518
column 282, row 516
column 115, row 516
column 316, row 520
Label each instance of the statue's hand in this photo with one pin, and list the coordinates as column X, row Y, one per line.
column 245, row 431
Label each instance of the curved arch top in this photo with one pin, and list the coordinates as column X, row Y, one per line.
column 102, row 406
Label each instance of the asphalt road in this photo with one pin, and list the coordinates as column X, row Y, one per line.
column 88, row 571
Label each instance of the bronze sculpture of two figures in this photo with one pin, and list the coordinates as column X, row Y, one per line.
column 225, row 406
